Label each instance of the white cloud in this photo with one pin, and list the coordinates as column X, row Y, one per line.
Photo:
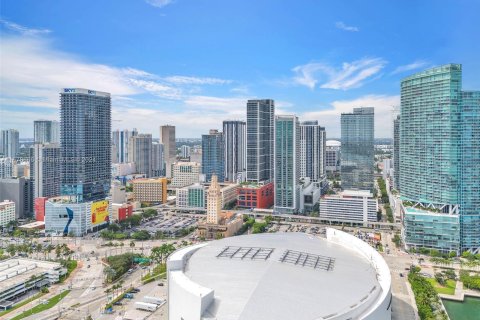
column 159, row 3
column 342, row 26
column 22, row 29
column 330, row 118
column 195, row 80
column 412, row 66
column 350, row 75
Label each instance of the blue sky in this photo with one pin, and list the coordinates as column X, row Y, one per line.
column 194, row 63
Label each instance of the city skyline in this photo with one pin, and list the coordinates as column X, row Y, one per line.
column 198, row 74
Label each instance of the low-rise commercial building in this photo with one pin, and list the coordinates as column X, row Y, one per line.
column 18, row 276
column 7, row 212
column 153, row 190
column 121, row 211
column 192, row 197
column 65, row 217
column 255, row 195
column 349, row 206
column 185, row 174
column 431, row 230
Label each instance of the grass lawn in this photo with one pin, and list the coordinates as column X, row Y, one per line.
column 449, row 287
column 21, row 304
column 42, row 307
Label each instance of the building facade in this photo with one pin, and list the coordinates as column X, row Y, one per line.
column 18, row 190
column 253, row 195
column 396, row 153
column 9, row 143
column 332, row 156
column 85, row 136
column 440, row 151
column 46, row 131
column 213, row 155
column 312, row 150
column 152, row 190
column 45, row 169
column 6, row 167
column 357, row 155
column 120, row 142
column 158, row 160
column 185, row 174
column 235, row 138
column 260, row 140
column 287, row 169
column 185, row 151
column 167, row 138
column 7, row 212
column 352, row 206
column 140, row 150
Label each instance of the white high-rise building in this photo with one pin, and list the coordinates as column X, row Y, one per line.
column 46, row 131
column 158, row 160
column 312, row 150
column 185, row 151
column 140, row 151
column 120, row 141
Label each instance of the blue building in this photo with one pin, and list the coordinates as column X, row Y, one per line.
column 213, row 155
column 440, row 155
column 357, row 154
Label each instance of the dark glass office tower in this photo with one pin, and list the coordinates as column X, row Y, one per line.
column 260, row 137
column 85, row 144
column 357, row 155
column 234, row 135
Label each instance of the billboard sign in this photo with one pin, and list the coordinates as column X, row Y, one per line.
column 99, row 212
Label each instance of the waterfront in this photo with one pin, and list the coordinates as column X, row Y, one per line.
column 469, row 309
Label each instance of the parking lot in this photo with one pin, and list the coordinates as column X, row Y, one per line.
column 169, row 225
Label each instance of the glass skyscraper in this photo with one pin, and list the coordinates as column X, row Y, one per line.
column 312, row 150
column 470, row 173
column 357, row 154
column 45, row 131
column 396, row 152
column 260, row 135
column 212, row 155
column 234, row 134
column 287, row 169
column 440, row 155
column 85, row 144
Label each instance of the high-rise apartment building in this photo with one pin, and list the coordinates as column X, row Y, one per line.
column 260, row 140
column 18, row 190
column 440, row 153
column 46, row 131
column 9, row 143
column 287, row 169
column 470, row 173
column 213, row 155
column 185, row 151
column 45, row 172
column 396, row 152
column 85, row 144
column 357, row 155
column 234, row 135
column 312, row 150
column 120, row 141
column 332, row 155
column 158, row 160
column 140, row 151
column 167, row 138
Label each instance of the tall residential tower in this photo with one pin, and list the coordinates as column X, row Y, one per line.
column 234, row 134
